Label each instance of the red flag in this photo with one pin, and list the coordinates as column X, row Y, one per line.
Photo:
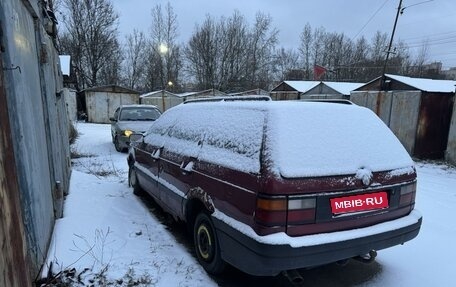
column 319, row 71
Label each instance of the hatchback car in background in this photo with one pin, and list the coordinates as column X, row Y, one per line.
column 271, row 186
column 129, row 119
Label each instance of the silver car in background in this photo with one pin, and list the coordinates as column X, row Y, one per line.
column 129, row 119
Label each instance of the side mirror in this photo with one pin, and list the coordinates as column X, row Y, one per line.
column 112, row 119
column 136, row 138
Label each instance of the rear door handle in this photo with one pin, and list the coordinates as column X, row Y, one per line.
column 156, row 154
column 186, row 168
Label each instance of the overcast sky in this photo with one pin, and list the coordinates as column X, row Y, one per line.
column 434, row 21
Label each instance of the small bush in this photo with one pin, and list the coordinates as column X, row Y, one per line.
column 70, row 277
column 72, row 133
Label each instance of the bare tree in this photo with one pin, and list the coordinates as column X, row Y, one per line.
column 164, row 55
column 305, row 49
column 421, row 59
column 233, row 41
column 361, row 52
column 135, row 60
column 286, row 65
column 378, row 47
column 90, row 37
column 262, row 41
column 111, row 67
column 318, row 45
column 201, row 54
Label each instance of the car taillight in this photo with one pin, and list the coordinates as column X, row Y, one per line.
column 408, row 193
column 301, row 210
column 271, row 211
column 281, row 211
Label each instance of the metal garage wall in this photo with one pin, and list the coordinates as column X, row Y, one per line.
column 451, row 147
column 404, row 117
column 56, row 120
column 433, row 125
column 38, row 122
column 101, row 105
column 398, row 110
column 13, row 254
column 71, row 106
column 169, row 102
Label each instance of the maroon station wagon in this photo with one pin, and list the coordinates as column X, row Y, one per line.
column 272, row 186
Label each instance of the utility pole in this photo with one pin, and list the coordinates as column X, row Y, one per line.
column 388, row 52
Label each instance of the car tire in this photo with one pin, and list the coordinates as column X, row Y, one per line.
column 133, row 182
column 206, row 245
column 117, row 145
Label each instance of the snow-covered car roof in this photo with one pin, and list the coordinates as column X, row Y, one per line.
column 303, row 139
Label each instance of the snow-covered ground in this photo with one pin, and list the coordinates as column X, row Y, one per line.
column 108, row 230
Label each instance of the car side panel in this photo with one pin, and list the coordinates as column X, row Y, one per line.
column 232, row 192
column 175, row 181
column 147, row 169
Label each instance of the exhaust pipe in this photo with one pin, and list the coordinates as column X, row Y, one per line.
column 367, row 258
column 293, row 275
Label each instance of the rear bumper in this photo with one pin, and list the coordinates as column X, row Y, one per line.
column 269, row 255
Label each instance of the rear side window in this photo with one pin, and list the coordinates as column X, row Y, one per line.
column 233, row 138
column 178, row 130
column 214, row 133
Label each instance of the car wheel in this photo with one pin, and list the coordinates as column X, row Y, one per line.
column 206, row 245
column 133, row 182
column 117, row 145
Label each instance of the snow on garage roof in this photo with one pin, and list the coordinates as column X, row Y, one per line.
column 302, row 86
column 155, row 93
column 343, row 87
column 427, row 85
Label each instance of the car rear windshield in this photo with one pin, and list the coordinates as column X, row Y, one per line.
column 320, row 139
column 139, row 114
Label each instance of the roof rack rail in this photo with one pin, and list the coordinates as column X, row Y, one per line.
column 229, row 99
column 335, row 101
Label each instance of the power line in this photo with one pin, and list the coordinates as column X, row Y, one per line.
column 431, row 44
column 427, row 40
column 370, row 19
column 428, row 36
column 444, row 54
column 422, row 2
column 427, row 20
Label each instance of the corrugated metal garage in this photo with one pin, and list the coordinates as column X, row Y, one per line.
column 161, row 99
column 101, row 102
column 297, row 90
column 418, row 111
column 34, row 148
